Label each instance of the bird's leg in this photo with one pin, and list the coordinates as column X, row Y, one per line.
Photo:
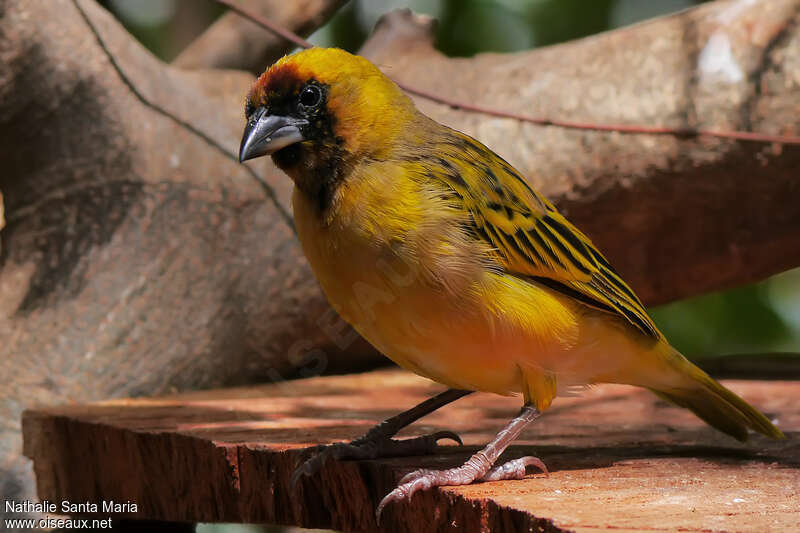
column 378, row 441
column 477, row 467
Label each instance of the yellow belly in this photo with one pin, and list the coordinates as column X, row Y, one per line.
column 493, row 332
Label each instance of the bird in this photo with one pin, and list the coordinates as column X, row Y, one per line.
column 442, row 255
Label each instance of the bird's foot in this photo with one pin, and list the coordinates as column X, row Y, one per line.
column 465, row 474
column 370, row 448
column 514, row 469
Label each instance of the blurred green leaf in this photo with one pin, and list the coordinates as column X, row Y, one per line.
column 740, row 320
column 467, row 28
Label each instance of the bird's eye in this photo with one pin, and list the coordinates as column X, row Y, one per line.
column 249, row 109
column 310, row 96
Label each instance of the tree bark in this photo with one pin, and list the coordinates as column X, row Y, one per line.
column 234, row 42
column 140, row 257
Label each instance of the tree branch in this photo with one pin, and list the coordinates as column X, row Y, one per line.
column 234, row 42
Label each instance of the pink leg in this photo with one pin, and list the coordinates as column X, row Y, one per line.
column 477, row 467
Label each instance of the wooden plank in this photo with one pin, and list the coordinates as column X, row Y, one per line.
column 619, row 458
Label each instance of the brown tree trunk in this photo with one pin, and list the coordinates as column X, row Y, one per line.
column 234, row 42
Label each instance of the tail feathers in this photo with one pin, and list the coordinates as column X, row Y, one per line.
column 720, row 407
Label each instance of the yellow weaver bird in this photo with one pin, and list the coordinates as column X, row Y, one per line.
column 441, row 255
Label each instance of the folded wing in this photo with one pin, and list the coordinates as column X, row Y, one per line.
column 529, row 236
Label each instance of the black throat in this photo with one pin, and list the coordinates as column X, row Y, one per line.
column 318, row 168
column 318, row 164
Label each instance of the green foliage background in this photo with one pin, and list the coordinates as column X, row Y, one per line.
column 760, row 318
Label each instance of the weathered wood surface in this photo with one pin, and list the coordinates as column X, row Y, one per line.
column 619, row 458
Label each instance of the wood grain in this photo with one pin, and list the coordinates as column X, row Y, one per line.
column 619, row 458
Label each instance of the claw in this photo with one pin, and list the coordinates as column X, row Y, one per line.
column 515, row 469
column 402, row 492
column 424, row 479
column 475, row 468
column 298, row 472
column 413, row 475
column 306, row 468
column 442, row 435
column 315, row 463
column 469, row 472
column 365, row 448
column 535, row 461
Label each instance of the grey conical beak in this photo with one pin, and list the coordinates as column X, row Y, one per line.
column 265, row 134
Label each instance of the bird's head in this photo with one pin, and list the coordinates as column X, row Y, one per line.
column 321, row 110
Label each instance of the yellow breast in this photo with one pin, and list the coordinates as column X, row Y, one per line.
column 393, row 263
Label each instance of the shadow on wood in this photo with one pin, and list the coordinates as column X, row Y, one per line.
column 619, row 457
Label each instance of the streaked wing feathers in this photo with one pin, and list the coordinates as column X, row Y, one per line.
column 530, row 237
